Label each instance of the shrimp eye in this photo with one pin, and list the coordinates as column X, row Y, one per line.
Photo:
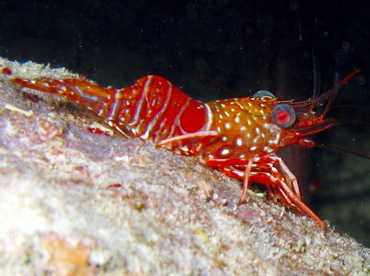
column 263, row 93
column 283, row 115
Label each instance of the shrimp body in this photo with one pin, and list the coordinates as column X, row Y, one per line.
column 152, row 108
column 238, row 136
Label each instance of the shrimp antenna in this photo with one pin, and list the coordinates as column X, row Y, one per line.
column 343, row 150
column 316, row 75
column 337, row 85
column 218, row 84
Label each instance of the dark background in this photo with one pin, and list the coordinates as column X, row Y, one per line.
column 246, row 46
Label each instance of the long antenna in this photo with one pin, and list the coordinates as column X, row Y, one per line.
column 343, row 150
column 218, row 84
column 316, row 75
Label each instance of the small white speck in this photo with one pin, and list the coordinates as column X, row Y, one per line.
column 228, row 125
column 268, row 149
column 253, row 148
column 239, row 141
column 224, row 138
column 274, row 141
column 185, row 148
column 237, row 119
column 225, row 152
column 124, row 158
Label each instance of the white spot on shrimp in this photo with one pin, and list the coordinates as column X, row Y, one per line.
column 253, row 148
column 242, row 156
column 243, row 128
column 225, row 151
column 228, row 125
column 237, row 119
column 268, row 149
column 239, row 141
column 274, row 141
column 224, row 138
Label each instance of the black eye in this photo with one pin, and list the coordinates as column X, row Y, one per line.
column 263, row 93
column 283, row 115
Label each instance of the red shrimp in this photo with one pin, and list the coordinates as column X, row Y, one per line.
column 238, row 136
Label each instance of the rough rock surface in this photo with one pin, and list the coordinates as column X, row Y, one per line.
column 77, row 203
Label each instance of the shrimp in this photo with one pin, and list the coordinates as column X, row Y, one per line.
column 239, row 136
